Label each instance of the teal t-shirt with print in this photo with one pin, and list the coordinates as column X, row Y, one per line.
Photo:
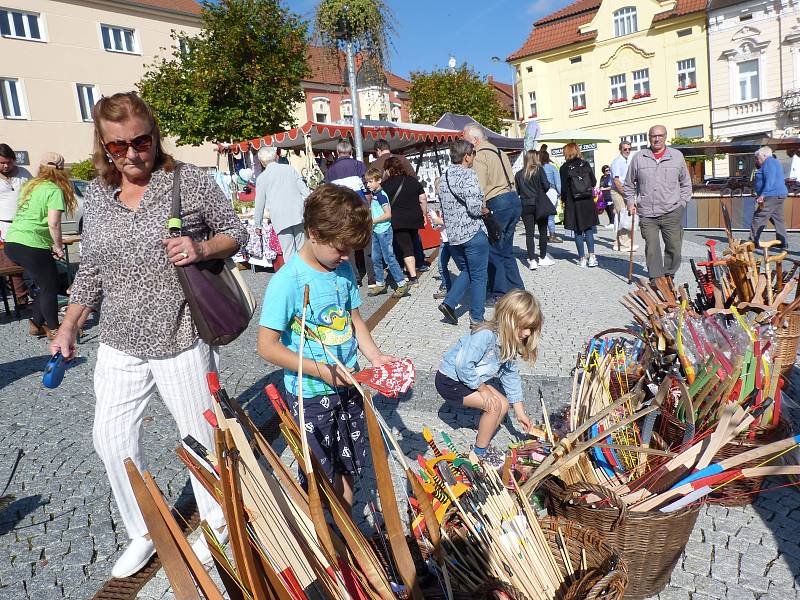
column 332, row 296
column 379, row 200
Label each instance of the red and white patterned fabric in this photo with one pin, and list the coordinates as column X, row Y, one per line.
column 391, row 379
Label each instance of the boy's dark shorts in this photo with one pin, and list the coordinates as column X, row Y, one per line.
column 451, row 390
column 338, row 430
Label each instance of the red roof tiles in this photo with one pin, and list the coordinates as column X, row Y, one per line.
column 683, row 7
column 328, row 68
column 504, row 93
column 556, row 34
column 561, row 28
column 183, row 6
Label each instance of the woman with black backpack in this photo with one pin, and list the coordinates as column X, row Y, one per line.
column 577, row 192
column 532, row 186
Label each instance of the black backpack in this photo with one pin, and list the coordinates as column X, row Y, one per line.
column 580, row 181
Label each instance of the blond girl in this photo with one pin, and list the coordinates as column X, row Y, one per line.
column 490, row 351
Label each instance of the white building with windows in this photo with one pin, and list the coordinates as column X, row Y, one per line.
column 754, row 50
column 60, row 57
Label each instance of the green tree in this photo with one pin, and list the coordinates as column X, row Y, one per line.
column 83, row 170
column 461, row 91
column 238, row 78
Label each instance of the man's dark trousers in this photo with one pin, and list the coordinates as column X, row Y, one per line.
column 668, row 227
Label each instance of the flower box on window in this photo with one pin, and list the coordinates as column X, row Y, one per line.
column 691, row 86
column 642, row 95
column 579, row 107
column 617, row 101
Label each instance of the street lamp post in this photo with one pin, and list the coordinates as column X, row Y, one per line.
column 351, row 72
column 497, row 59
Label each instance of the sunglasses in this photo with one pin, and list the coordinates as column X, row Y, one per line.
column 119, row 148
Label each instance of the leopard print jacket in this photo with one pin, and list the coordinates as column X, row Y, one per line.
column 124, row 266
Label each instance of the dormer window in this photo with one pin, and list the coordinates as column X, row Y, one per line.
column 625, row 21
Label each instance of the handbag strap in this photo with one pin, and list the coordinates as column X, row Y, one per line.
column 397, row 193
column 174, row 224
column 456, row 196
column 502, row 164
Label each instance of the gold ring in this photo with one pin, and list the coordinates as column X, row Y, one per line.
column 185, row 254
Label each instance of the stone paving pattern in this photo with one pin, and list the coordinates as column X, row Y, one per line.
column 61, row 536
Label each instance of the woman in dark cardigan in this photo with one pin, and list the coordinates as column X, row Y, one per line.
column 532, row 186
column 580, row 215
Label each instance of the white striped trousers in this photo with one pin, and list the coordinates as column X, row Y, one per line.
column 124, row 385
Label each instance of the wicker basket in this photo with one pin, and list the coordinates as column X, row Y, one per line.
column 605, row 576
column 650, row 543
column 617, row 387
column 740, row 492
column 786, row 341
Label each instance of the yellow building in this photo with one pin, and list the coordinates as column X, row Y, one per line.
column 614, row 68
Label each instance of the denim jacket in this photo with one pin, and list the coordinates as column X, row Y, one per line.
column 475, row 358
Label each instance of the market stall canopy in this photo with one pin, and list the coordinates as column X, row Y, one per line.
column 325, row 136
column 453, row 121
column 572, row 135
column 738, row 146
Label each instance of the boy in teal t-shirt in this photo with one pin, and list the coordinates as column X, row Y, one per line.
column 382, row 238
column 336, row 221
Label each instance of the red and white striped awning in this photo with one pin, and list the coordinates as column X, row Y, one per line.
column 324, row 136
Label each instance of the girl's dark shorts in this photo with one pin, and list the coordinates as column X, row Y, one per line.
column 451, row 390
column 404, row 240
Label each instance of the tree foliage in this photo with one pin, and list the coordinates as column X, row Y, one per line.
column 461, row 91
column 238, row 78
column 83, row 170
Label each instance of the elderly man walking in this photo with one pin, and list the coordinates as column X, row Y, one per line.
column 282, row 193
column 497, row 183
column 770, row 187
column 658, row 188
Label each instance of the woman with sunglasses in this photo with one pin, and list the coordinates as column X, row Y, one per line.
column 34, row 238
column 148, row 342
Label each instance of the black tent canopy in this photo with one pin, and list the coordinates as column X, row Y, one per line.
column 454, row 121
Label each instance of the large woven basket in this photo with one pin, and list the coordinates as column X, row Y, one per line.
column 740, row 492
column 787, row 338
column 744, row 491
column 650, row 543
column 605, row 576
column 621, row 384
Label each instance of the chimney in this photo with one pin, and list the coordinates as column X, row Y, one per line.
column 490, row 79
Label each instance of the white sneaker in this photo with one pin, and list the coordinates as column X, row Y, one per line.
column 134, row 559
column 533, row 264
column 201, row 549
column 547, row 261
column 582, row 261
column 592, row 260
column 609, row 226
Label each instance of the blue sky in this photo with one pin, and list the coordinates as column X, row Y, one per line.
column 428, row 31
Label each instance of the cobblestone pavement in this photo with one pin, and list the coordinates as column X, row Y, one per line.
column 62, row 534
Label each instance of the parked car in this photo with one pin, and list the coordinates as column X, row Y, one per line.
column 73, row 224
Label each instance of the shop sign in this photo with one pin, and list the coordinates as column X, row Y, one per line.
column 559, row 152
